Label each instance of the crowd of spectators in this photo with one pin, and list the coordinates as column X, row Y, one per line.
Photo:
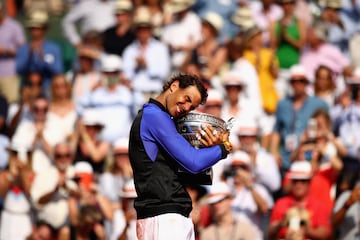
column 74, row 73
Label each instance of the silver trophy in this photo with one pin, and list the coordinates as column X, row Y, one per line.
column 189, row 127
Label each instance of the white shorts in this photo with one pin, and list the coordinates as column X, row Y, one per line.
column 164, row 227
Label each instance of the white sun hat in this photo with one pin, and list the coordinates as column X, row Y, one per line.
column 128, row 190
column 217, row 192
column 300, row 170
column 214, row 19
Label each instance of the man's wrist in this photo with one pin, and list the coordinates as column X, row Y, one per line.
column 228, row 146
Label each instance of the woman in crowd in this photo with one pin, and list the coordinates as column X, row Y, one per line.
column 324, row 85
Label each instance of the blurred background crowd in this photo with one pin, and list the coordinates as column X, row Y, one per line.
column 73, row 74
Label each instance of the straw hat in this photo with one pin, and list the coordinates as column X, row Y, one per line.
column 233, row 78
column 37, row 18
column 176, row 6
column 111, row 63
column 217, row 192
column 300, row 170
column 251, row 32
column 214, row 19
column 142, row 17
column 91, row 118
column 240, row 158
column 123, row 6
column 243, row 17
column 335, row 4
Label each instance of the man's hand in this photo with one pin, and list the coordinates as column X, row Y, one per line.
column 209, row 136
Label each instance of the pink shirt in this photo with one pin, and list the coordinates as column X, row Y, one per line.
column 327, row 55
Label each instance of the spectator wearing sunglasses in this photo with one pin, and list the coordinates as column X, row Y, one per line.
column 292, row 115
column 51, row 189
column 36, row 133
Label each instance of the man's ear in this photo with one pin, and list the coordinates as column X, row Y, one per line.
column 174, row 86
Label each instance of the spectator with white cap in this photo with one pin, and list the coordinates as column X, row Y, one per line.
column 146, row 62
column 118, row 37
column 264, row 163
column 209, row 55
column 183, row 32
column 292, row 115
column 88, row 195
column 39, row 54
column 225, row 225
column 14, row 190
column 116, row 102
column 86, row 143
column 243, row 69
column 252, row 200
column 298, row 214
column 125, row 220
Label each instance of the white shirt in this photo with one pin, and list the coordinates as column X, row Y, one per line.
column 94, row 15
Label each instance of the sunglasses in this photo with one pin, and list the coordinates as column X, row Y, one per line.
column 300, row 180
column 298, row 80
column 64, row 155
column 40, row 109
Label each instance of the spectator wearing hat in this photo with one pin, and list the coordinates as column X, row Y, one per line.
column 125, row 220
column 183, row 32
column 15, row 187
column 86, row 143
column 292, row 115
column 263, row 163
column 246, row 71
column 146, row 62
column 340, row 26
column 209, row 55
column 252, row 201
column 243, row 19
column 320, row 52
column 51, row 188
column 266, row 65
column 224, row 9
column 39, row 54
column 12, row 37
column 297, row 215
column 95, row 15
column 121, row 35
column 88, row 196
column 116, row 102
column 225, row 225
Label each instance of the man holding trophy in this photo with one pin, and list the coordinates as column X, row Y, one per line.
column 157, row 151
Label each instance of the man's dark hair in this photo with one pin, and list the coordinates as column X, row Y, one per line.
column 185, row 80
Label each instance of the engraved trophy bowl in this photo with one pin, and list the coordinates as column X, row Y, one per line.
column 190, row 124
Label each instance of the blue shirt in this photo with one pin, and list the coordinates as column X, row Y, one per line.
column 48, row 62
column 288, row 121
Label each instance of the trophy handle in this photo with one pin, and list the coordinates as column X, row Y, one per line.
column 230, row 123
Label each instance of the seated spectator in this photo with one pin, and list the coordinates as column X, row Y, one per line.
column 208, row 55
column 86, row 143
column 38, row 134
column 88, row 197
column 345, row 213
column 126, row 220
column 325, row 86
column 51, row 188
column 292, row 115
column 39, row 54
column 297, row 215
column 12, row 37
column 182, row 30
column 62, row 112
column 156, row 8
column 146, row 62
column 252, row 200
column 15, row 188
column 118, row 37
column 42, row 231
column 225, row 225
column 4, row 139
column 95, row 15
column 86, row 78
column 116, row 102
